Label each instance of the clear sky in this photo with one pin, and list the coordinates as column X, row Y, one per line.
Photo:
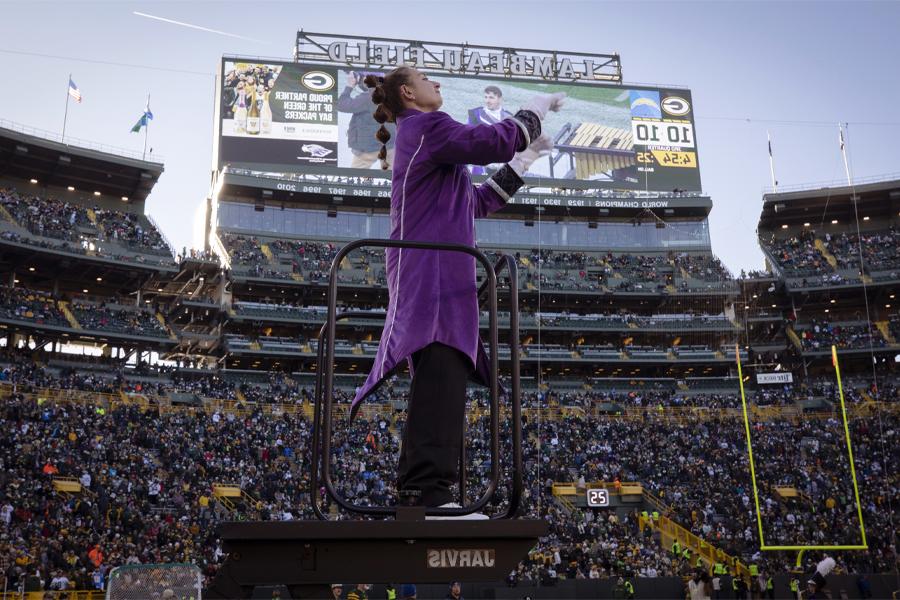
column 795, row 69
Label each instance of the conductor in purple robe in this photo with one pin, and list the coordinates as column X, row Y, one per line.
column 432, row 316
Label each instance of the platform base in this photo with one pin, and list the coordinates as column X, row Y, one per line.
column 307, row 556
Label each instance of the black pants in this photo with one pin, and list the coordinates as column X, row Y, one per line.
column 429, row 455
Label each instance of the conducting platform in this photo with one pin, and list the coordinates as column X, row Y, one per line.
column 404, row 545
column 307, row 556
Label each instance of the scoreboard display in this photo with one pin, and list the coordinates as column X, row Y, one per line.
column 615, row 136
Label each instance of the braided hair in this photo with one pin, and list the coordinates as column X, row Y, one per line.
column 389, row 104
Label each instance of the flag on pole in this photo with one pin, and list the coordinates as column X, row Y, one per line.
column 144, row 120
column 772, row 163
column 74, row 91
column 844, row 155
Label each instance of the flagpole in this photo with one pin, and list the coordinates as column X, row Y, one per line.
column 844, row 155
column 146, row 128
column 862, row 265
column 66, row 115
column 772, row 164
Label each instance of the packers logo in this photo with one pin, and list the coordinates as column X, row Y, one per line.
column 675, row 106
column 317, row 81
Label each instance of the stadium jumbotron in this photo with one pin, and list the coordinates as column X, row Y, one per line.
column 229, row 418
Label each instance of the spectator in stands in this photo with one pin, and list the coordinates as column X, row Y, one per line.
column 455, row 591
column 360, row 592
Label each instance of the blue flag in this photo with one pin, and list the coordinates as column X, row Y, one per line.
column 144, row 120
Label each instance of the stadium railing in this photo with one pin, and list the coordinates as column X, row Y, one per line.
column 81, row 143
column 680, row 414
column 710, row 554
column 41, row 395
column 615, row 488
column 667, row 527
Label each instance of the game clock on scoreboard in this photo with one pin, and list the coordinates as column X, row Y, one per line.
column 597, row 498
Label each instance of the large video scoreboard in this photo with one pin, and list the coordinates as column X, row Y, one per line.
column 315, row 111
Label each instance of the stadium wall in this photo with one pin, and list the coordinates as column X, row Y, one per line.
column 657, row 588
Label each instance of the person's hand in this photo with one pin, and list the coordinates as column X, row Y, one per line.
column 352, row 80
column 544, row 103
column 542, row 146
column 524, row 159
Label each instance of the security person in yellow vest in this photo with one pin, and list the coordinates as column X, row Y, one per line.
column 795, row 587
column 656, row 516
column 770, row 587
column 676, row 548
column 391, row 592
column 699, row 562
column 646, row 515
column 753, row 587
column 719, row 571
column 686, row 554
column 734, row 586
column 629, row 590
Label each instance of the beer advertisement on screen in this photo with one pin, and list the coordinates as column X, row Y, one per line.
column 278, row 113
column 613, row 136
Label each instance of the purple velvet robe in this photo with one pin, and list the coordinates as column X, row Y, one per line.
column 432, row 295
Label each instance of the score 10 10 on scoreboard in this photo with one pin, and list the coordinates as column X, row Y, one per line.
column 663, row 132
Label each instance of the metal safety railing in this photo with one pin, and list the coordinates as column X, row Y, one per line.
column 672, row 414
column 324, row 393
column 74, row 141
column 698, row 546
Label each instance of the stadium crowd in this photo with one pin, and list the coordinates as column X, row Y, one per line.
column 45, row 217
column 68, row 226
column 103, row 317
column 821, row 334
column 799, row 256
column 880, row 249
column 22, row 304
column 553, row 269
column 132, row 230
column 40, row 307
column 563, row 319
column 704, row 267
column 149, row 476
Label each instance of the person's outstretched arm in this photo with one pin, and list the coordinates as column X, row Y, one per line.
column 495, row 192
column 451, row 142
